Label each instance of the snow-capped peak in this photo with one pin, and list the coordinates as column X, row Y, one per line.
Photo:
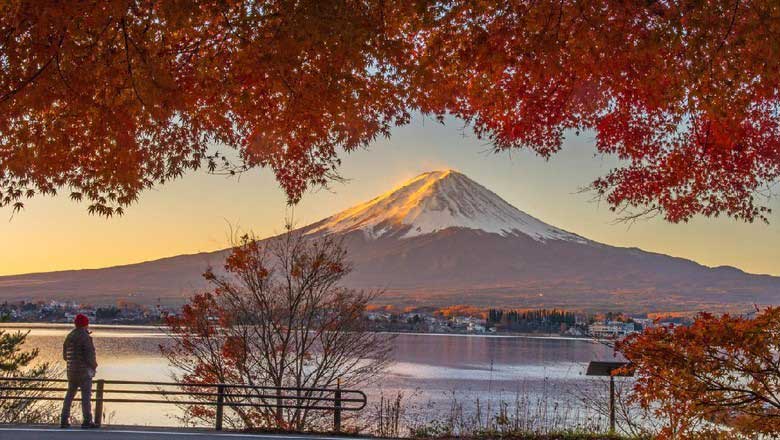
column 437, row 200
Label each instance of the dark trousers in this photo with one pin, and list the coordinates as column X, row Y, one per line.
column 85, row 384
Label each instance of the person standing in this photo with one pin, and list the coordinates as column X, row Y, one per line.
column 79, row 353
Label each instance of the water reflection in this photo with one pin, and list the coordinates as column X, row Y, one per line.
column 433, row 368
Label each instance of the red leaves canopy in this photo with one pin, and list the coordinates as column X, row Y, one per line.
column 110, row 98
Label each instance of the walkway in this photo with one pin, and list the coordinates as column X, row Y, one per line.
column 48, row 432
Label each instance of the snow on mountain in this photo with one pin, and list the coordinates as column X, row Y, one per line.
column 437, row 200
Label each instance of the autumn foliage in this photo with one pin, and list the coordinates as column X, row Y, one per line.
column 461, row 310
column 719, row 376
column 108, row 98
column 276, row 316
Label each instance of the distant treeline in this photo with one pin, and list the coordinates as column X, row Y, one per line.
column 542, row 320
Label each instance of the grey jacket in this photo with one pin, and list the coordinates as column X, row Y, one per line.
column 79, row 352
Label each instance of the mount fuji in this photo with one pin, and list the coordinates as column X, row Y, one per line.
column 435, row 201
column 442, row 239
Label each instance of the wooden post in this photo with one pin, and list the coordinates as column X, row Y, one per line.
column 611, row 369
column 337, row 408
column 220, row 405
column 279, row 409
column 611, row 404
column 99, row 402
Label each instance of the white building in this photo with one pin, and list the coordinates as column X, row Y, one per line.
column 611, row 329
column 645, row 322
column 476, row 328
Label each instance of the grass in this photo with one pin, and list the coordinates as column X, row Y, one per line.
column 434, row 432
column 560, row 435
column 527, row 417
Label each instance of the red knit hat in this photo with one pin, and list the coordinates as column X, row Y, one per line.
column 81, row 320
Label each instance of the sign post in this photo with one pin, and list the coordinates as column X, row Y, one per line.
column 611, row 369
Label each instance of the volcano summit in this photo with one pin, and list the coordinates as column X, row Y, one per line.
column 435, row 201
column 442, row 239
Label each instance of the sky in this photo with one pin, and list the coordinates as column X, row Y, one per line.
column 200, row 212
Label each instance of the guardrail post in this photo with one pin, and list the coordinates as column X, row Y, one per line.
column 279, row 408
column 99, row 402
column 220, row 405
column 337, row 408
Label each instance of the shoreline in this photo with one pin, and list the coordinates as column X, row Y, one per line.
column 62, row 325
column 152, row 328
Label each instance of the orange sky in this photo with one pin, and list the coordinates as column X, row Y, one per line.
column 196, row 213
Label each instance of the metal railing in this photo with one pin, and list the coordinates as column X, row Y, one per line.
column 334, row 400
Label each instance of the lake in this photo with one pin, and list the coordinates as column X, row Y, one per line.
column 435, row 372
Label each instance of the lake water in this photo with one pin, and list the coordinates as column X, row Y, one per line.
column 435, row 372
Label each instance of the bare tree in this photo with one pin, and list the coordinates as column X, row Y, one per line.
column 630, row 418
column 277, row 316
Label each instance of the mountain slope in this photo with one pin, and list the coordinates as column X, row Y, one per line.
column 443, row 239
column 437, row 200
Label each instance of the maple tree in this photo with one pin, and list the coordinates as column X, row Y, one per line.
column 109, row 98
column 276, row 316
column 721, row 375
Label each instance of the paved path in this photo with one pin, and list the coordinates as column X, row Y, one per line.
column 139, row 433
